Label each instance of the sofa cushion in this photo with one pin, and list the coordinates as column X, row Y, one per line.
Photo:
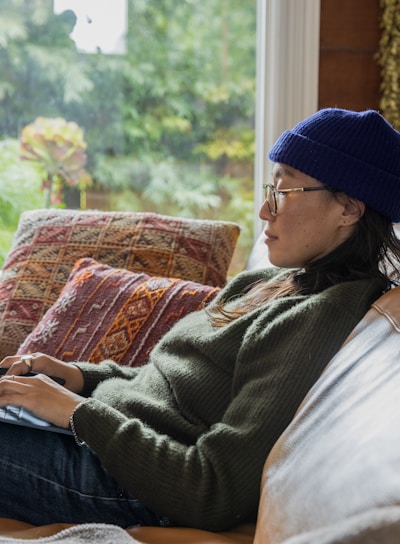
column 340, row 456
column 377, row 526
column 109, row 313
column 49, row 242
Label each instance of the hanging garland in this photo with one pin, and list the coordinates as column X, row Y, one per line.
column 389, row 59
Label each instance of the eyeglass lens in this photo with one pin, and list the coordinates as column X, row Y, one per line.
column 269, row 196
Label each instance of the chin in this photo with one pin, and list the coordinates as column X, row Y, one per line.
column 283, row 263
column 280, row 263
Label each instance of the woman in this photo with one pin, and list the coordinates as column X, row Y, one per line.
column 183, row 440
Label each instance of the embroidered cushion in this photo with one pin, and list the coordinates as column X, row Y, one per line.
column 108, row 313
column 49, row 242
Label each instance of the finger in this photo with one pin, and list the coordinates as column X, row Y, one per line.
column 11, row 381
column 11, row 392
column 9, row 360
column 7, row 377
column 28, row 360
column 18, row 368
column 8, row 385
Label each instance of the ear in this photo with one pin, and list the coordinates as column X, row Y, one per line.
column 353, row 210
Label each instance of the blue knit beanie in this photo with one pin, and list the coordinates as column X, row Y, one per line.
column 355, row 152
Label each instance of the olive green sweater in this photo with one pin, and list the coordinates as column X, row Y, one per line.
column 188, row 434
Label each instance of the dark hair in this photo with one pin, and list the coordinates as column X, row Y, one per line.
column 372, row 251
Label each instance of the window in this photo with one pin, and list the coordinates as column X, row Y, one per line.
column 287, row 74
column 100, row 26
column 164, row 92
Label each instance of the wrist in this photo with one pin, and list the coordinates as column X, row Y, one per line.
column 76, row 380
column 71, row 423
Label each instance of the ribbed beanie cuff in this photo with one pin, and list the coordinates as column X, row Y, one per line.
column 355, row 152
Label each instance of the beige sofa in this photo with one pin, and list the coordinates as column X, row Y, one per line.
column 334, row 474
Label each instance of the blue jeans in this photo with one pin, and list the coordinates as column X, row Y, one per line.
column 46, row 478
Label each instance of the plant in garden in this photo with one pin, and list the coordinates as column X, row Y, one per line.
column 59, row 147
column 169, row 128
column 388, row 58
column 19, row 191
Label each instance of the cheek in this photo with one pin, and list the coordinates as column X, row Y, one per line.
column 306, row 232
column 301, row 226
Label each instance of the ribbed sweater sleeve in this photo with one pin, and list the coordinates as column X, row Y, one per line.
column 190, row 433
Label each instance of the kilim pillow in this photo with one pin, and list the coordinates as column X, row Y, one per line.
column 108, row 313
column 49, row 242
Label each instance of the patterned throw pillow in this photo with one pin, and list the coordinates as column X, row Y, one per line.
column 108, row 313
column 49, row 242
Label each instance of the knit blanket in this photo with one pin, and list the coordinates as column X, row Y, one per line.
column 91, row 533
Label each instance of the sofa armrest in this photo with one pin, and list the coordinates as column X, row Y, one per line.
column 243, row 534
column 340, row 457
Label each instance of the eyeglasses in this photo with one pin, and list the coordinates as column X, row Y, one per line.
column 271, row 195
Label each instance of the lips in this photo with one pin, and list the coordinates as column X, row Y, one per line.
column 269, row 237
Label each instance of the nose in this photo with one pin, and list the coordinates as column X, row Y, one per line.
column 265, row 212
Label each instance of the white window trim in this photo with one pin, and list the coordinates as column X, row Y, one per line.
column 287, row 75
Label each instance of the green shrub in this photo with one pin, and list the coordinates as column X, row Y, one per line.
column 20, row 190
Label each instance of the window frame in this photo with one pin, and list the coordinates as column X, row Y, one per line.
column 287, row 72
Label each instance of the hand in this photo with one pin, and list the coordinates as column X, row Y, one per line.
column 48, row 365
column 41, row 395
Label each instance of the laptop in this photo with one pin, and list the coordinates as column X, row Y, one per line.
column 21, row 416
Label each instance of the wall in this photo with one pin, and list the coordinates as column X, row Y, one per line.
column 349, row 76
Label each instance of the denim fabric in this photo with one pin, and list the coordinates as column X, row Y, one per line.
column 45, row 478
